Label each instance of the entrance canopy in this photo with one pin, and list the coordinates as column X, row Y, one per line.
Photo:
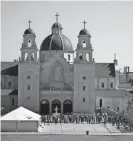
column 21, row 114
column 20, row 120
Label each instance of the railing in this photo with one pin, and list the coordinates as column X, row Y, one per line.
column 55, row 89
column 55, row 92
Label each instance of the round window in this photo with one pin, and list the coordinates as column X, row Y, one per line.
column 84, row 77
column 28, row 77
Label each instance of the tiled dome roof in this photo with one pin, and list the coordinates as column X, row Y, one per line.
column 57, row 25
column 56, row 42
column 84, row 32
column 29, row 31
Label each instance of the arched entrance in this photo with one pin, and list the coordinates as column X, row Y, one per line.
column 54, row 104
column 67, row 106
column 44, row 107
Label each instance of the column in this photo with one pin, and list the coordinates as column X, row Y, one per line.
column 90, row 57
column 84, row 55
column 50, row 107
column 35, row 56
column 61, row 106
column 22, row 55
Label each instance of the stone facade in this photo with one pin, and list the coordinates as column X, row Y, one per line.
column 74, row 85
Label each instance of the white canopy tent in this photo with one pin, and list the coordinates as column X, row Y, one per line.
column 21, row 120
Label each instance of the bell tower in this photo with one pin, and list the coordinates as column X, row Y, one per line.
column 84, row 75
column 28, row 73
column 29, row 48
column 84, row 48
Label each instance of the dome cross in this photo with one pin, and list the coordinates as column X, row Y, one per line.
column 29, row 22
column 57, row 15
column 84, row 23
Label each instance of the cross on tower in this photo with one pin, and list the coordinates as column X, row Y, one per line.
column 57, row 15
column 84, row 23
column 29, row 22
column 115, row 56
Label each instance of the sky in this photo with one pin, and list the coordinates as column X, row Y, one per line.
column 109, row 23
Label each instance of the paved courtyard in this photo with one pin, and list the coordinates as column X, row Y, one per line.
column 79, row 129
column 42, row 137
column 70, row 132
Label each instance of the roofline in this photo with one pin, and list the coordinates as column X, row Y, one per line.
column 7, row 62
column 104, row 63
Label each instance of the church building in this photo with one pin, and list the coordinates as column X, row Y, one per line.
column 60, row 77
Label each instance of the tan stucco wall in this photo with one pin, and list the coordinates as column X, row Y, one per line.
column 112, row 102
column 13, row 79
column 88, row 71
column 6, row 102
column 47, row 73
column 106, row 81
column 29, row 98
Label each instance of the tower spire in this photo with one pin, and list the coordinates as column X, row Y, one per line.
column 115, row 60
column 57, row 15
column 84, row 23
column 29, row 22
column 114, row 56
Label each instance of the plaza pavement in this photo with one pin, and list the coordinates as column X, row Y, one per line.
column 70, row 132
column 42, row 137
column 79, row 129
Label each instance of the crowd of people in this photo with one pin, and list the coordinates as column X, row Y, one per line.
column 80, row 119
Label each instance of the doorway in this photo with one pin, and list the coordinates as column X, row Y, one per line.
column 44, row 107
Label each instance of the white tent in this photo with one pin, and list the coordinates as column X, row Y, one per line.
column 21, row 120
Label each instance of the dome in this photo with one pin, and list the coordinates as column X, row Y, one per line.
column 84, row 32
column 56, row 42
column 57, row 25
column 29, row 31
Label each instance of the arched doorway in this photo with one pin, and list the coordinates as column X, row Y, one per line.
column 44, row 107
column 67, row 106
column 54, row 104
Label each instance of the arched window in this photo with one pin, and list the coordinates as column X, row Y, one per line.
column 28, row 87
column 69, row 57
column 83, row 99
column 44, row 107
column 87, row 56
column 100, row 103
column 84, row 43
column 45, row 102
column 67, row 106
column 26, row 55
column 29, row 43
column 84, row 88
column 12, row 101
column 9, row 84
column 111, row 85
column 102, row 85
column 80, row 56
column 32, row 56
column 56, row 104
